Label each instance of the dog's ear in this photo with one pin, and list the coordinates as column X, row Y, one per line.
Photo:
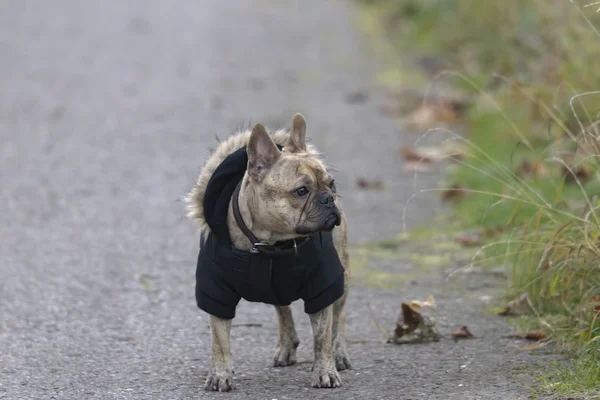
column 262, row 152
column 297, row 140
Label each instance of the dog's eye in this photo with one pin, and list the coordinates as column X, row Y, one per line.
column 301, row 191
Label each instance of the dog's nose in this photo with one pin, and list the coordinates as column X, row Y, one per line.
column 326, row 198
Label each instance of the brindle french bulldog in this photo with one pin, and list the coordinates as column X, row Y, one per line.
column 286, row 194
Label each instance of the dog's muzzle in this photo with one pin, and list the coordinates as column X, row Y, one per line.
column 328, row 208
column 332, row 221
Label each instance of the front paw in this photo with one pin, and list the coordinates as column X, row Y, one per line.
column 220, row 380
column 285, row 355
column 326, row 377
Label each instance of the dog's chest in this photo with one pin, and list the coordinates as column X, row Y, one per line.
column 226, row 273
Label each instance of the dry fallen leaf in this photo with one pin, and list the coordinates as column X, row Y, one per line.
column 411, row 154
column 410, row 317
column 537, row 335
column 454, row 151
column 416, row 305
column 468, row 240
column 455, row 192
column 525, row 169
column 369, row 185
column 535, row 169
column 407, row 322
column 412, row 326
column 535, row 345
column 421, row 118
column 583, row 173
column 463, row 333
column 437, row 110
column 517, row 306
column 456, row 103
column 420, row 159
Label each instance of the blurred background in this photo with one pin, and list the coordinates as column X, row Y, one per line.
column 109, row 109
column 519, row 92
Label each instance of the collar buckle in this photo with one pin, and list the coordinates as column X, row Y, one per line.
column 255, row 247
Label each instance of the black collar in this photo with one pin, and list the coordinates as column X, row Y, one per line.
column 279, row 248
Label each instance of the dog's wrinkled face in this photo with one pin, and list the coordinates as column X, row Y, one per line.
column 290, row 191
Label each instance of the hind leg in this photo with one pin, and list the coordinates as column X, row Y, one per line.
column 340, row 354
column 288, row 338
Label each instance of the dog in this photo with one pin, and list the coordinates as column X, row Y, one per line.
column 272, row 231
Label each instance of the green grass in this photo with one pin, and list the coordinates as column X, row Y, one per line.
column 580, row 378
column 525, row 65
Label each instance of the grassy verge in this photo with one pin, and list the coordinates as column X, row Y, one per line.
column 532, row 128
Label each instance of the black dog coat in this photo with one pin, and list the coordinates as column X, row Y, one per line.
column 312, row 271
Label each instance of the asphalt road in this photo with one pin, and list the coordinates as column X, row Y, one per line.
column 107, row 111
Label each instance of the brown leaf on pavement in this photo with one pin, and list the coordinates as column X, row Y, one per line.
column 455, row 154
column 414, row 155
column 463, row 333
column 517, row 306
column 467, row 240
column 537, row 335
column 455, row 192
column 416, row 305
column 438, row 110
column 408, row 321
column 412, row 325
column 369, row 185
column 430, row 115
column 423, row 110
column 450, row 151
